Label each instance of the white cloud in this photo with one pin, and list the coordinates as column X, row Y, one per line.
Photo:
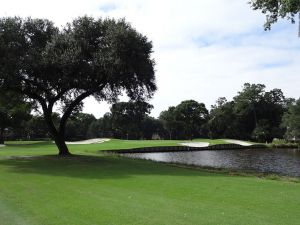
column 203, row 49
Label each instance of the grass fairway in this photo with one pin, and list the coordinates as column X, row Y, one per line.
column 93, row 190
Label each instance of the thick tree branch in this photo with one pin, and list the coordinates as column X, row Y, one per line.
column 46, row 109
column 32, row 95
column 56, row 98
column 71, row 107
column 48, row 118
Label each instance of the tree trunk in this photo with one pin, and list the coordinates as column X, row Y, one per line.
column 254, row 115
column 2, row 136
column 170, row 135
column 58, row 136
column 61, row 145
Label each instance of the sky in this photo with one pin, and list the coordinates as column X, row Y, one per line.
column 203, row 49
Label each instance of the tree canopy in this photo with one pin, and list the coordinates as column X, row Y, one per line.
column 127, row 117
column 184, row 120
column 170, row 123
column 254, row 114
column 78, row 125
column 193, row 115
column 223, row 120
column 291, row 120
column 275, row 9
column 102, row 58
column 13, row 111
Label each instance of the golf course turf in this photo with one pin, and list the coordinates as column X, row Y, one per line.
column 39, row 188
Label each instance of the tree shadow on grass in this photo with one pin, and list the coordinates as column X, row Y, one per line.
column 94, row 167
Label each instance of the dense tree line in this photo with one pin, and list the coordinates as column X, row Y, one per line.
column 253, row 114
column 14, row 111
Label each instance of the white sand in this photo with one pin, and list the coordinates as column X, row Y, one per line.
column 243, row 143
column 89, row 141
column 195, row 144
column 2, row 146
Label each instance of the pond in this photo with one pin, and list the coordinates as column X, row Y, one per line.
column 278, row 161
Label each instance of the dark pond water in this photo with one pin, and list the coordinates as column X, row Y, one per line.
column 279, row 161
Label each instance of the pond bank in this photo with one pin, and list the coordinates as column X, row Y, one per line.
column 284, row 162
column 235, row 172
column 183, row 148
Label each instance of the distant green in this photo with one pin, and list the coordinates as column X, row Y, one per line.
column 47, row 147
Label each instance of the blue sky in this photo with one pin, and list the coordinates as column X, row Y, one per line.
column 204, row 49
column 108, row 7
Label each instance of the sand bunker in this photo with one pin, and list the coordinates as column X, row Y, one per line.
column 243, row 143
column 195, row 144
column 89, row 141
column 2, row 146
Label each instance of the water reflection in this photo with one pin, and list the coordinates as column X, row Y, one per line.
column 280, row 161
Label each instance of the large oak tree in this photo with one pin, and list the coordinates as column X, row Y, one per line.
column 102, row 58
